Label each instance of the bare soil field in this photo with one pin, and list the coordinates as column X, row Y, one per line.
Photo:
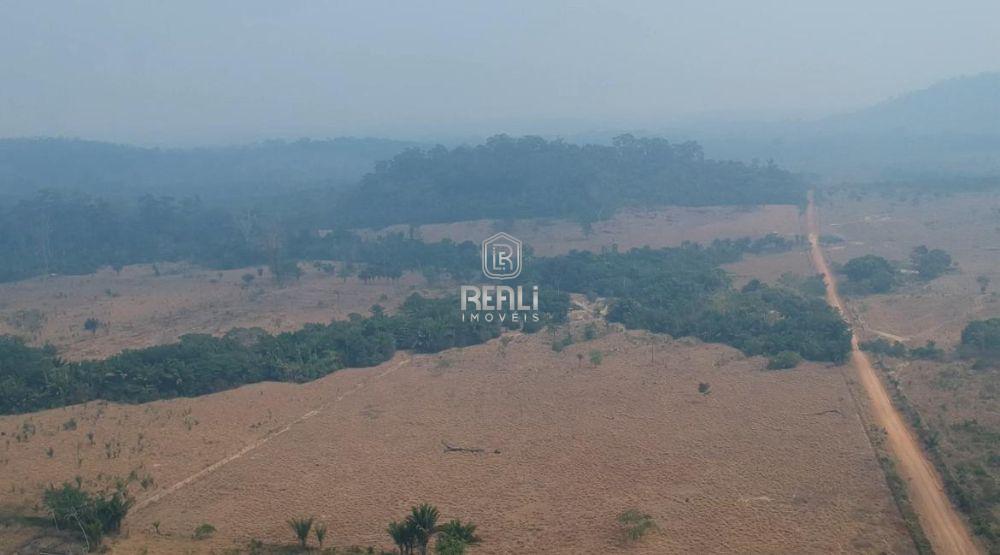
column 958, row 405
column 967, row 226
column 660, row 227
column 141, row 309
column 766, row 462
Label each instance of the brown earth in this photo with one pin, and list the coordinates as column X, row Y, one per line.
column 659, row 227
column 965, row 225
column 767, row 462
column 945, row 528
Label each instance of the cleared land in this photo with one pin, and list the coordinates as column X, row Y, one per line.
column 661, row 227
column 567, row 447
column 766, row 462
column 138, row 308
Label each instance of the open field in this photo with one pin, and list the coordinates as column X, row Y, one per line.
column 143, row 309
column 568, row 446
column 767, row 462
column 956, row 404
column 967, row 226
column 661, row 227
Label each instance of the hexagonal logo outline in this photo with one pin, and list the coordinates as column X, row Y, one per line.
column 494, row 254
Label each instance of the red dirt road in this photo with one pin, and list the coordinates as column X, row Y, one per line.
column 945, row 529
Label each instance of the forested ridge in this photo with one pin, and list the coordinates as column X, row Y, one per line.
column 530, row 177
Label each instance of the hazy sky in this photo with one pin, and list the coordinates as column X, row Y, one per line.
column 183, row 72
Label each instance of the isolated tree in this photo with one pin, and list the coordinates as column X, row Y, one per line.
column 247, row 279
column 870, row 273
column 285, row 270
column 403, row 535
column 320, row 531
column 346, row 271
column 423, row 519
column 91, row 325
column 454, row 537
column 596, row 357
column 704, row 388
column 930, row 263
column 983, row 282
column 301, row 527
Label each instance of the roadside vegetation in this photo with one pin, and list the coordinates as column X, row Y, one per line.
column 963, row 452
column 874, row 274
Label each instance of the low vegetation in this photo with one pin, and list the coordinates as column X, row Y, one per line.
column 91, row 515
column 879, row 346
column 636, row 524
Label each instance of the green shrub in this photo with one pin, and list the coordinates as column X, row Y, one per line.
column 91, row 515
column 203, row 531
column 636, row 524
column 784, row 360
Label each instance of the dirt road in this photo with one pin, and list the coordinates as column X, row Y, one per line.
column 944, row 527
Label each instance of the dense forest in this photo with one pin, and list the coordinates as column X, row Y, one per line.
column 530, row 177
column 63, row 232
column 683, row 292
column 680, row 291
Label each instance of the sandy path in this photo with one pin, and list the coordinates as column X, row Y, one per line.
column 944, row 527
column 256, row 444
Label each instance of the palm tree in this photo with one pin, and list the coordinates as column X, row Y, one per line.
column 403, row 535
column 423, row 519
column 466, row 533
column 301, row 527
column 320, row 531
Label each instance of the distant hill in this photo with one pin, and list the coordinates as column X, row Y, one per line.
column 946, row 131
column 958, row 106
column 113, row 170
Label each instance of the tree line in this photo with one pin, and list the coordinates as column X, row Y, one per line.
column 64, row 232
column 36, row 378
column 681, row 291
column 531, row 177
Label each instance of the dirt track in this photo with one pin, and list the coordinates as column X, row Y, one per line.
column 944, row 527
